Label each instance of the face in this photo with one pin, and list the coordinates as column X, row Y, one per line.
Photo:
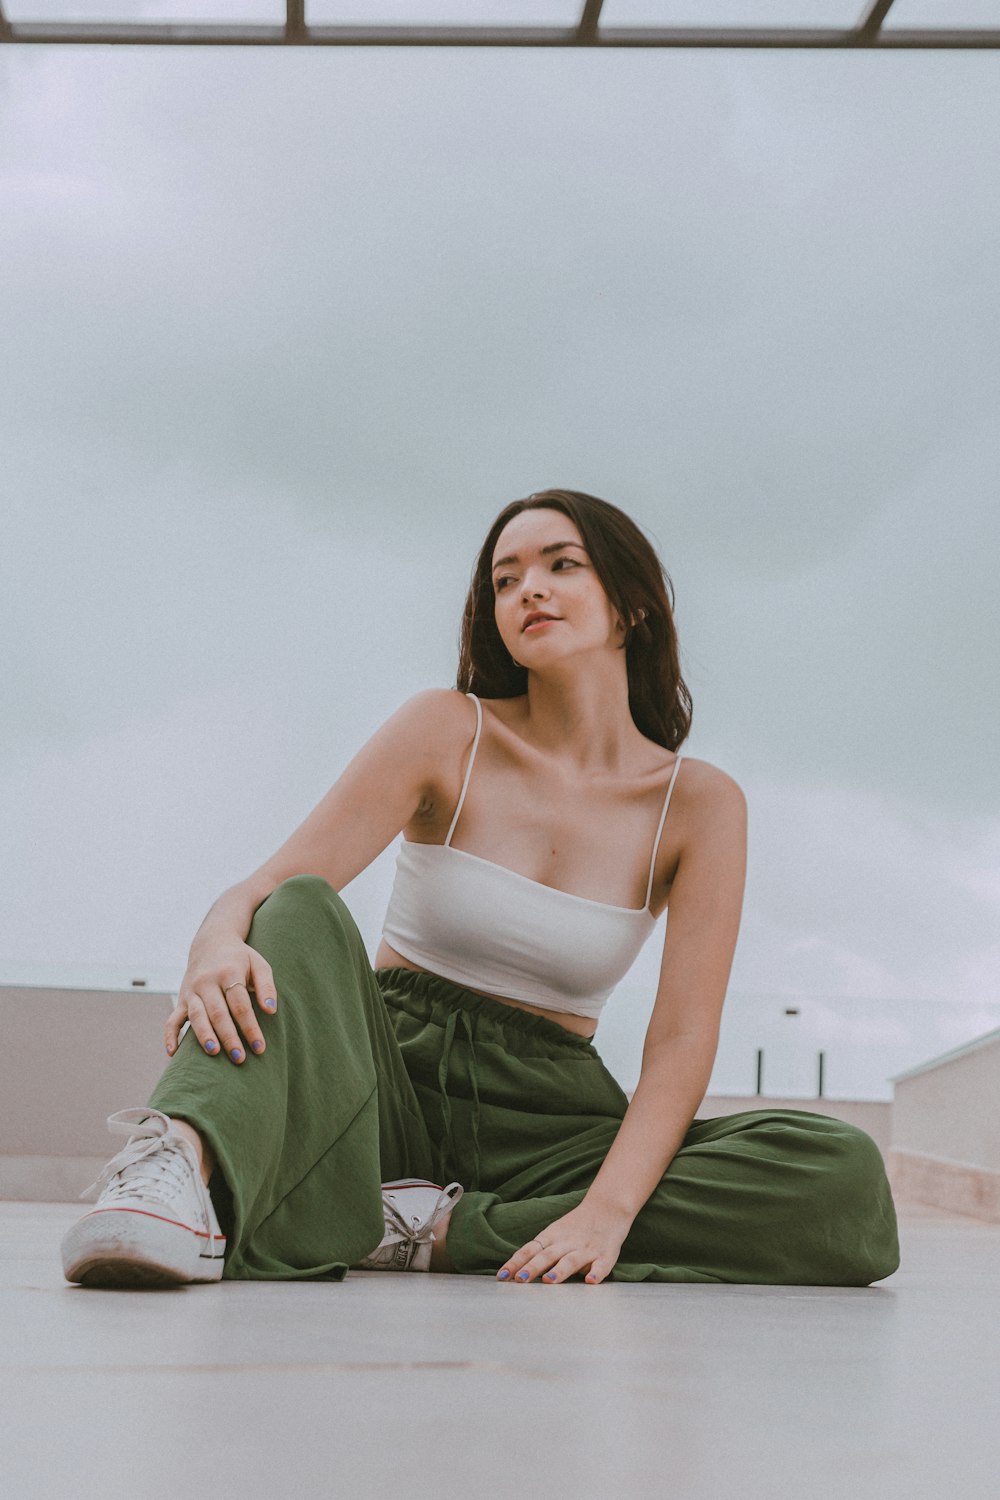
column 540, row 563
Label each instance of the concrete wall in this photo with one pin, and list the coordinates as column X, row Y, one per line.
column 945, row 1144
column 69, row 1059
column 950, row 1106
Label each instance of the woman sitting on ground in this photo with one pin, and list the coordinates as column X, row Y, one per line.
column 447, row 1109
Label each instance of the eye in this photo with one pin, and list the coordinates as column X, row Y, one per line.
column 505, row 578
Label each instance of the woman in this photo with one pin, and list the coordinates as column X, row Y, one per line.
column 311, row 1102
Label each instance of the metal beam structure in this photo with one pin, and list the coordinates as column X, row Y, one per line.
column 868, row 32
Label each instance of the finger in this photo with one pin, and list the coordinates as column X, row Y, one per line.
column 263, row 984
column 202, row 1026
column 242, row 1011
column 537, row 1264
column 172, row 1029
column 598, row 1271
column 521, row 1257
column 517, row 1260
column 531, row 1271
column 566, row 1266
column 221, row 1019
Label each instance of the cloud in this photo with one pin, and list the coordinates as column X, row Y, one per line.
column 308, row 290
column 284, row 330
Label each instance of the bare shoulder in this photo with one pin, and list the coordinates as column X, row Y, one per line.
column 389, row 784
column 707, row 784
column 711, row 804
column 437, row 724
column 440, row 716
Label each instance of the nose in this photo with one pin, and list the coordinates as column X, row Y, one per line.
column 534, row 591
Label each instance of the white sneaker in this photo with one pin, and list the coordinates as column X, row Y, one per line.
column 412, row 1207
column 154, row 1223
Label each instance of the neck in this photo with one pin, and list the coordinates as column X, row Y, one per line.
column 580, row 717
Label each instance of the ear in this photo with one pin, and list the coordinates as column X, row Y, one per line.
column 633, row 621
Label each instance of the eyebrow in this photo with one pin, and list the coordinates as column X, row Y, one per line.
column 552, row 547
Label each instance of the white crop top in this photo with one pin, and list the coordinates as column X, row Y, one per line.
column 491, row 929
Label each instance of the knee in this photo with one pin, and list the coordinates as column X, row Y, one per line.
column 302, row 888
column 843, row 1160
column 859, row 1206
column 309, row 896
column 855, row 1160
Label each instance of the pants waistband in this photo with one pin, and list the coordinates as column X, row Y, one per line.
column 431, row 992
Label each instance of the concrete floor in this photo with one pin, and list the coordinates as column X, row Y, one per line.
column 411, row 1386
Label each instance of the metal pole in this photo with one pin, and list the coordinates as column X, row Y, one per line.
column 819, row 1084
column 760, row 1070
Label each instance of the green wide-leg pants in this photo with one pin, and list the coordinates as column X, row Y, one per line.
column 371, row 1075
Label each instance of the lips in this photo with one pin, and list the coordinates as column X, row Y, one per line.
column 534, row 619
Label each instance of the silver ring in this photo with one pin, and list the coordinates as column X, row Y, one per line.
column 235, row 986
column 536, row 1241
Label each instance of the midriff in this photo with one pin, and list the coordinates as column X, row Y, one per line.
column 388, row 958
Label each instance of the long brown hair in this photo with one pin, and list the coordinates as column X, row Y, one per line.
column 634, row 579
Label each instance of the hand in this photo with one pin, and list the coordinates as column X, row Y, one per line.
column 207, row 998
column 586, row 1239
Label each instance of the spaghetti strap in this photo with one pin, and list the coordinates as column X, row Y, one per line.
column 468, row 769
column 656, row 841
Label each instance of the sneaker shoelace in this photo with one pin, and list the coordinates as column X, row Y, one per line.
column 154, row 1167
column 399, row 1229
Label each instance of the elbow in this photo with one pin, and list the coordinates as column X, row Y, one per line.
column 682, row 1063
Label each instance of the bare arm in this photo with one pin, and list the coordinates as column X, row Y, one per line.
column 374, row 798
column 706, row 899
column 230, row 916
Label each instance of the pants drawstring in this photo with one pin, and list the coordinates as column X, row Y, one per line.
column 449, row 1037
column 446, row 1152
column 474, row 1080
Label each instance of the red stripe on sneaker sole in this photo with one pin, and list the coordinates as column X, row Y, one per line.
column 202, row 1234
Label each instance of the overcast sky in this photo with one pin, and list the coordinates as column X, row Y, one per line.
column 283, row 330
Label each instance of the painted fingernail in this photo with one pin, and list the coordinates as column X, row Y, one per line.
column 503, row 1275
column 211, row 1046
column 257, row 1046
column 270, row 1004
column 522, row 1275
column 549, row 1276
column 236, row 1054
